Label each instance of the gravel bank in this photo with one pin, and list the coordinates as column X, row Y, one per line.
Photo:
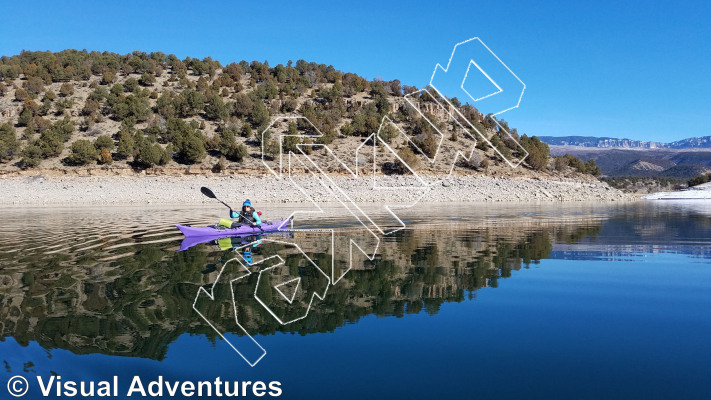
column 120, row 190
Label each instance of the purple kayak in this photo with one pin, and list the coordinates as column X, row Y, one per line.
column 208, row 231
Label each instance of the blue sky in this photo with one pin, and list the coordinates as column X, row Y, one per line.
column 635, row 69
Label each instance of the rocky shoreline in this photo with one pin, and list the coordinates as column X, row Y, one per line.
column 122, row 190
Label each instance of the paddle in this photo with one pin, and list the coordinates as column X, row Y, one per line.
column 207, row 192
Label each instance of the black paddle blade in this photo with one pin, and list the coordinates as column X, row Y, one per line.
column 207, row 192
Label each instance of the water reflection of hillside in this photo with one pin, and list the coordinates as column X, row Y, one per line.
column 136, row 305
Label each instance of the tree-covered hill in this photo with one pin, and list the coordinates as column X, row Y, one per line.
column 145, row 110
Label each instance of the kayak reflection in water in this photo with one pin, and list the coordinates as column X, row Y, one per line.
column 247, row 215
column 243, row 244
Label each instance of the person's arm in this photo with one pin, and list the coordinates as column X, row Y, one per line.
column 233, row 214
column 257, row 220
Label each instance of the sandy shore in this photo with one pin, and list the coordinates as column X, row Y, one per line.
column 120, row 190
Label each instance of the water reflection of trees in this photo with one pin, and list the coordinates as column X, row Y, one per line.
column 137, row 305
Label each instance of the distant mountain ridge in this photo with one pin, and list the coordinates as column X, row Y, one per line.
column 608, row 142
column 643, row 162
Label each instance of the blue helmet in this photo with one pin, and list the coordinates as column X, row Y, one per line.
column 247, row 203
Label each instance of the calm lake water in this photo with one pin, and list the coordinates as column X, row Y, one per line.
column 480, row 302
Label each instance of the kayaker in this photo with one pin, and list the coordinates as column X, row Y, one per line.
column 248, row 215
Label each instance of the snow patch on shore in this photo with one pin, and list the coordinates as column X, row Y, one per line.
column 699, row 192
